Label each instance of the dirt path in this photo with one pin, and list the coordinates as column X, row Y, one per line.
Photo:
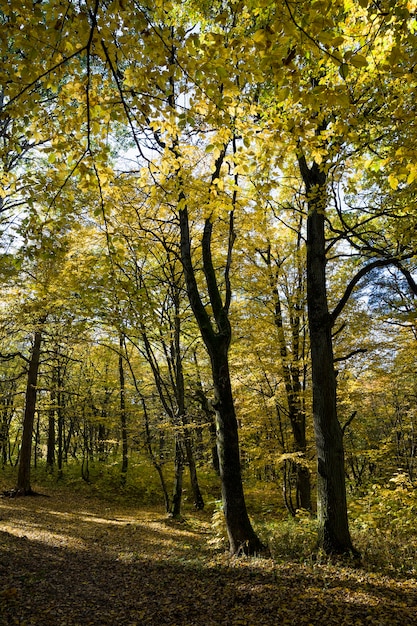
column 74, row 561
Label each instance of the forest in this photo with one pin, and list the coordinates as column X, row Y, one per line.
column 208, row 265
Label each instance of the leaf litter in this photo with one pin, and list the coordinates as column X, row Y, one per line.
column 70, row 560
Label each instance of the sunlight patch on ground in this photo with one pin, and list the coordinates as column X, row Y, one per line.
column 59, row 540
column 161, row 527
column 361, row 599
column 124, row 535
column 102, row 520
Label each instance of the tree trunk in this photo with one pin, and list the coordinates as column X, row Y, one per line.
column 155, row 462
column 290, row 360
column 210, row 415
column 60, row 442
column 7, row 414
column 178, row 475
column 123, row 416
column 242, row 537
column 50, row 450
column 189, row 453
column 37, row 441
column 23, row 486
column 334, row 536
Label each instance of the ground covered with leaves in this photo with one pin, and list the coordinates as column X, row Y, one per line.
column 72, row 560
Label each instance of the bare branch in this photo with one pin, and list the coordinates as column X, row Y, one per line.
column 350, row 355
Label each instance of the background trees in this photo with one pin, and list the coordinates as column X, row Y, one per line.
column 220, row 177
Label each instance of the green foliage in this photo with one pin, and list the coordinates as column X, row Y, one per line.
column 142, row 485
column 97, row 243
column 291, row 538
column 383, row 524
column 218, row 530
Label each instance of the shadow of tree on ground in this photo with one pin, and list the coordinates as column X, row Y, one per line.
column 75, row 562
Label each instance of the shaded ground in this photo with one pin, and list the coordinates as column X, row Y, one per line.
column 74, row 561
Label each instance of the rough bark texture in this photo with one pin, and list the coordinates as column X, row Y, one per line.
column 334, row 536
column 242, row 537
column 23, row 486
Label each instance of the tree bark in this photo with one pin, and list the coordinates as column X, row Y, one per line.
column 334, row 535
column 239, row 529
column 157, row 465
column 242, row 537
column 189, row 453
column 7, row 414
column 123, row 415
column 178, row 475
column 23, row 486
column 50, row 450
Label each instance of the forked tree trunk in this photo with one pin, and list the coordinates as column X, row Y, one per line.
column 23, row 486
column 242, row 537
column 334, row 536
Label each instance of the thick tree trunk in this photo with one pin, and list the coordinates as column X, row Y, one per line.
column 178, row 475
column 334, row 536
column 23, row 486
column 242, row 537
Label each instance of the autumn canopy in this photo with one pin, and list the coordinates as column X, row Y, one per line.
column 208, row 254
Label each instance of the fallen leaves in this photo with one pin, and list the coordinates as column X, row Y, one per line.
column 66, row 562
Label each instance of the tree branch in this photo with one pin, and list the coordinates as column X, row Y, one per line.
column 208, row 267
column 12, row 355
column 407, row 275
column 350, row 355
column 196, row 303
column 349, row 421
column 357, row 278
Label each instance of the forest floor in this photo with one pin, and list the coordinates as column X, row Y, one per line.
column 70, row 560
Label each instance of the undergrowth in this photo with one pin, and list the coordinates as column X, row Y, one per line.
column 382, row 522
column 382, row 525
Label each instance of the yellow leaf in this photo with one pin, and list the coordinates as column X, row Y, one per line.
column 412, row 175
column 358, row 60
column 393, row 181
column 259, row 36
